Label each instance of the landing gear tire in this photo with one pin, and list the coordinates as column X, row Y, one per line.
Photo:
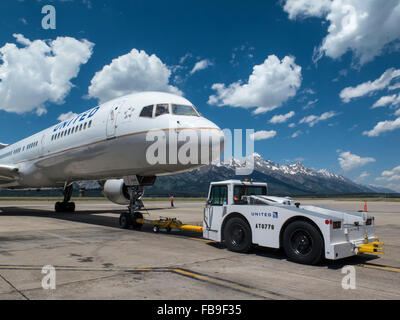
column 303, row 243
column 125, row 221
column 237, row 235
column 156, row 229
column 135, row 225
column 64, row 207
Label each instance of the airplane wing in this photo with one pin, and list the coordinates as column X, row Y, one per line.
column 8, row 174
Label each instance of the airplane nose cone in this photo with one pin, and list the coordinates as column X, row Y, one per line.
column 200, row 141
column 212, row 143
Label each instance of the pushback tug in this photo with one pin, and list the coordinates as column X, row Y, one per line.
column 241, row 214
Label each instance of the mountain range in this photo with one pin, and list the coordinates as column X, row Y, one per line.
column 294, row 180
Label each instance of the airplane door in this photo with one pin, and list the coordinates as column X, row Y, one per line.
column 42, row 145
column 111, row 123
column 112, row 120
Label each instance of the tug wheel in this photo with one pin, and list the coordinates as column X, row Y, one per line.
column 237, row 235
column 125, row 221
column 303, row 243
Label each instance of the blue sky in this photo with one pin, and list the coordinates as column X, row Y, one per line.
column 304, row 67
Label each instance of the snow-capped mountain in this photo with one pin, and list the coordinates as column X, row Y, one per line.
column 292, row 179
column 268, row 166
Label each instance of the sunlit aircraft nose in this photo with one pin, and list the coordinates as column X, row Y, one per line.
column 199, row 142
column 212, row 142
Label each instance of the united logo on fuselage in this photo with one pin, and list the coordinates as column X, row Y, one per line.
column 80, row 117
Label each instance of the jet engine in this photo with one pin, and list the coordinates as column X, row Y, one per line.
column 116, row 191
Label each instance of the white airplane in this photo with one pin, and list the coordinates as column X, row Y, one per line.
column 108, row 143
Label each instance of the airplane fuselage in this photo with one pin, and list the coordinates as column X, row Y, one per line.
column 105, row 142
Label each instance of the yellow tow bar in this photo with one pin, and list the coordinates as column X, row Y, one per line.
column 372, row 247
column 169, row 224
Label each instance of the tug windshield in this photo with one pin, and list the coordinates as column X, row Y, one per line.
column 240, row 191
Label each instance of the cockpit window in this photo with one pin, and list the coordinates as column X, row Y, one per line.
column 181, row 110
column 162, row 109
column 147, row 112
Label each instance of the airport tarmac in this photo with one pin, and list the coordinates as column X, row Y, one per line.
column 95, row 259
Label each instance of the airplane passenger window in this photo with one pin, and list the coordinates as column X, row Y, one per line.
column 90, row 124
column 80, row 127
column 181, row 110
column 147, row 112
column 84, row 127
column 72, row 130
column 162, row 109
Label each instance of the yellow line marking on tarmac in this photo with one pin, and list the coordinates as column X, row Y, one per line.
column 378, row 267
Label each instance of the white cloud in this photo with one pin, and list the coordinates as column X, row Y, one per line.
column 397, row 113
column 263, row 135
column 352, row 25
column 383, row 126
column 291, row 125
column 282, row 117
column 308, row 91
column 310, row 104
column 349, row 161
column 39, row 71
column 66, row 116
column 363, row 175
column 185, row 57
column 395, row 170
column 201, row 65
column 306, row 8
column 297, row 133
column 313, row 119
column 132, row 72
column 268, row 87
column 390, row 175
column 385, row 100
column 395, row 86
column 370, row 86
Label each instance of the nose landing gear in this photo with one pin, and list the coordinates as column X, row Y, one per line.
column 128, row 219
column 65, row 205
